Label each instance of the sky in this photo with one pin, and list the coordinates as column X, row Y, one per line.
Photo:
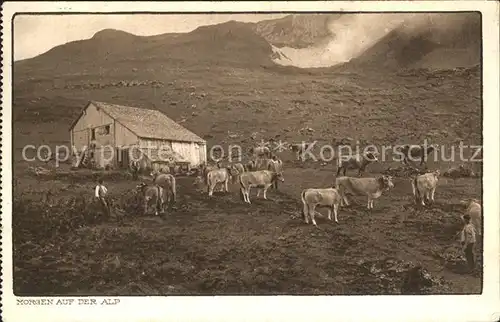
column 34, row 35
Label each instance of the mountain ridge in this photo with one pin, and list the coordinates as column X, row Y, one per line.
column 269, row 42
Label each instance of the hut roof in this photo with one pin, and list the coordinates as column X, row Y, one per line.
column 146, row 123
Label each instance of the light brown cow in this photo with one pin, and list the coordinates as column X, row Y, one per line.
column 168, row 183
column 151, row 194
column 261, row 179
column 301, row 148
column 261, row 151
column 356, row 161
column 415, row 152
column 250, row 166
column 459, row 172
column 237, row 169
column 218, row 176
column 205, row 169
column 312, row 198
column 424, row 186
column 370, row 187
column 276, row 165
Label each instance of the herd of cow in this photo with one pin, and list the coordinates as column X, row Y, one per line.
column 265, row 170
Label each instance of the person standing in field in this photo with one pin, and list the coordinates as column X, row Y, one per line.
column 100, row 193
column 134, row 168
column 468, row 240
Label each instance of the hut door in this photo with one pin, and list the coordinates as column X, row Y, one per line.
column 124, row 158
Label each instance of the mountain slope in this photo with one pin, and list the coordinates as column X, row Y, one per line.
column 220, row 80
column 232, row 43
column 440, row 43
column 296, row 31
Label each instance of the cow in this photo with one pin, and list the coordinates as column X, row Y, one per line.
column 250, row 166
column 312, row 198
column 415, row 152
column 216, row 176
column 356, row 161
column 276, row 165
column 261, row 179
column 205, row 169
column 424, row 186
column 474, row 210
column 370, row 187
column 459, row 172
column 168, row 183
column 261, row 151
column 300, row 148
column 151, row 194
column 342, row 142
column 237, row 169
column 257, row 164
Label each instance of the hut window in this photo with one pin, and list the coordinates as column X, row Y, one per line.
column 92, row 137
column 106, row 129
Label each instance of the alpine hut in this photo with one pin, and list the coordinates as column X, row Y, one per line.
column 110, row 135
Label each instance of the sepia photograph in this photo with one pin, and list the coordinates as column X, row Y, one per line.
column 254, row 153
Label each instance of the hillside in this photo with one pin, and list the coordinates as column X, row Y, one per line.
column 215, row 76
column 296, row 31
column 441, row 43
column 233, row 43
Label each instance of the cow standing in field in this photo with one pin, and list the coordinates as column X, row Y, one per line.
column 459, row 172
column 276, row 165
column 218, row 176
column 300, row 148
column 258, row 164
column 238, row 169
column 261, row 151
column 370, row 187
column 261, row 179
column 416, row 152
column 312, row 198
column 250, row 166
column 358, row 161
column 168, row 183
column 151, row 194
column 205, row 169
column 424, row 186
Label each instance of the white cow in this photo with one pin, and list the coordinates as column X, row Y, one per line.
column 424, row 186
column 261, row 179
column 312, row 198
column 370, row 187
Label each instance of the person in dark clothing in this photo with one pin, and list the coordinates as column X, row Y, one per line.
column 468, row 240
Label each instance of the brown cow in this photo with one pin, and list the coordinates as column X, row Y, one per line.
column 218, row 176
column 370, row 187
column 261, row 179
column 168, row 183
column 311, row 198
column 424, row 186
column 416, row 152
column 357, row 161
column 151, row 194
column 300, row 148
